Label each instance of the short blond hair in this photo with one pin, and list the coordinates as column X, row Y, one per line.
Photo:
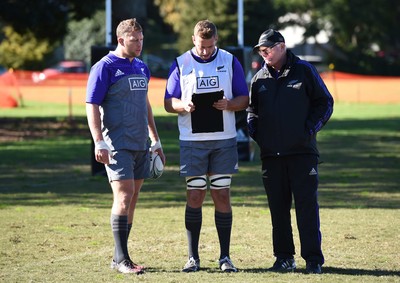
column 128, row 26
column 205, row 29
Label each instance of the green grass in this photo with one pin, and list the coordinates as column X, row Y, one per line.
column 365, row 111
column 55, row 227
column 41, row 109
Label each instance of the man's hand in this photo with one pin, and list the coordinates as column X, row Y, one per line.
column 156, row 147
column 221, row 104
column 189, row 107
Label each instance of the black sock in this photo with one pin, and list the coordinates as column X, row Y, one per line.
column 119, row 226
column 223, row 222
column 127, row 237
column 193, row 220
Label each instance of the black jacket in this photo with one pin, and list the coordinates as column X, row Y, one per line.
column 288, row 109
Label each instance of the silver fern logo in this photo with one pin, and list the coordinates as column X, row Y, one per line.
column 294, row 84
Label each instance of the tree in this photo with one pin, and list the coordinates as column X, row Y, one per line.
column 363, row 34
column 77, row 43
column 45, row 19
column 22, row 50
column 32, row 30
column 78, row 26
column 183, row 14
column 260, row 16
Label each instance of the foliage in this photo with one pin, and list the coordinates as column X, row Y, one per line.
column 357, row 45
column 159, row 38
column 367, row 44
column 77, row 42
column 157, row 41
column 38, row 29
column 182, row 16
column 22, row 50
column 260, row 16
column 45, row 19
column 85, row 28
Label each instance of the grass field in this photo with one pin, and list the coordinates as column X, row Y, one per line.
column 54, row 224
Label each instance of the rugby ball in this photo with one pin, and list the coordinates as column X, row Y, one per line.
column 156, row 165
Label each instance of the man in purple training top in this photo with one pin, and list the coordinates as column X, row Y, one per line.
column 205, row 87
column 121, row 121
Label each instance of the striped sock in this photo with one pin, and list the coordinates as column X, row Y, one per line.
column 119, row 226
column 223, row 222
column 193, row 221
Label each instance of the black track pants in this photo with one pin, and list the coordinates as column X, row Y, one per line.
column 296, row 176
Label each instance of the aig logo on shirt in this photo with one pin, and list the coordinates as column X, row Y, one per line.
column 207, row 82
column 137, row 83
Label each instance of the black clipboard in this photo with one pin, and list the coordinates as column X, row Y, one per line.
column 206, row 118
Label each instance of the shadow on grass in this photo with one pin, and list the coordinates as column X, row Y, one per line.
column 336, row 270
column 357, row 271
column 325, row 270
column 360, row 168
column 360, row 163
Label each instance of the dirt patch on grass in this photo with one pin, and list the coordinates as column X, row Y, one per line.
column 20, row 129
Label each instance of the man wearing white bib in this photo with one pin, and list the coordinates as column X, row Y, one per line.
column 205, row 87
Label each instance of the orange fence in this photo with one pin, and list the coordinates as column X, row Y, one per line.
column 15, row 87
column 346, row 87
column 65, row 88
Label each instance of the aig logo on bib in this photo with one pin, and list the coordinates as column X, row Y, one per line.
column 207, row 82
column 137, row 83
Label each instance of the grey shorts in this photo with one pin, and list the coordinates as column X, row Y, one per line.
column 202, row 157
column 129, row 165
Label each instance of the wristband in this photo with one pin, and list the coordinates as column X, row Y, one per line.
column 101, row 145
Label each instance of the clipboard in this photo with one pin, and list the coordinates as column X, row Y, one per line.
column 205, row 118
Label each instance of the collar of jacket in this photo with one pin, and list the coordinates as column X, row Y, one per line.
column 290, row 61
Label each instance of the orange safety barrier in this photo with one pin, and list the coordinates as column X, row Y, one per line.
column 7, row 101
column 66, row 88
column 9, row 84
column 69, row 88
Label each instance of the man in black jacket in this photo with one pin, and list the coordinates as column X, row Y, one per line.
column 289, row 104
